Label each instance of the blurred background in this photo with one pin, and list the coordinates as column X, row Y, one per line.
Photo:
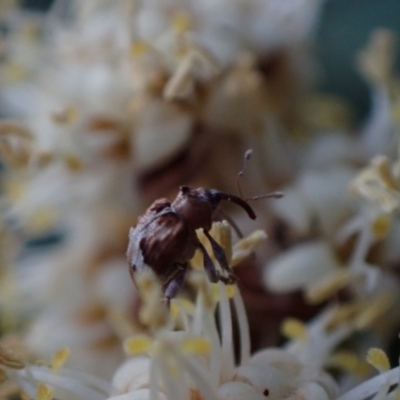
column 107, row 106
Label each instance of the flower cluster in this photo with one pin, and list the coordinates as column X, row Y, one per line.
column 107, row 106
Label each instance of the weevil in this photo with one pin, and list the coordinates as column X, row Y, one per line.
column 165, row 238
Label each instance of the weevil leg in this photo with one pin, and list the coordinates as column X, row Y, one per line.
column 175, row 283
column 212, row 273
column 218, row 251
column 220, row 255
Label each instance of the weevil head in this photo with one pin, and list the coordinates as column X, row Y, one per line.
column 197, row 206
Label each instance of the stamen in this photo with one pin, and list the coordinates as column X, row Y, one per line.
column 204, row 323
column 244, row 330
column 185, row 304
column 221, row 232
column 245, row 247
column 73, row 163
column 139, row 48
column 378, row 359
column 343, row 314
column 382, row 165
column 59, row 359
column 44, row 392
column 181, row 83
column 41, row 221
column 181, row 22
column 171, row 378
column 294, row 329
column 328, row 286
column 199, row 375
column 381, row 226
column 371, row 386
column 230, row 290
column 344, row 360
column 66, row 115
column 136, row 345
column 378, row 307
column 195, row 345
column 227, row 338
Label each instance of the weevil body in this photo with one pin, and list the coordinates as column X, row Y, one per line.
column 165, row 239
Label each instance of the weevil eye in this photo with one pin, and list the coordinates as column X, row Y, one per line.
column 185, row 189
column 214, row 197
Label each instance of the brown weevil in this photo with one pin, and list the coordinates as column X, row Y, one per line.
column 165, row 239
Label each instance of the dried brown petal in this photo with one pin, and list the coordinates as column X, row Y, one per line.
column 10, row 360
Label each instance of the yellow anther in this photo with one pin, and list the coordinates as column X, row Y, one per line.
column 184, row 304
column 137, row 345
column 328, row 286
column 294, row 329
column 139, row 48
column 73, row 163
column 373, row 311
column 14, row 189
column 343, row 313
column 382, row 165
column 344, row 360
column 42, row 220
column 65, row 115
column 379, row 184
column 15, row 72
column 230, row 291
column 196, row 346
column 174, row 310
column 246, row 246
column 44, row 392
column 221, row 232
column 378, row 359
column 181, row 22
column 215, row 291
column 380, row 227
column 59, row 359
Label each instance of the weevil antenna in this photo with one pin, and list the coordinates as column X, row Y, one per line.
column 274, row 195
column 240, row 202
column 247, row 156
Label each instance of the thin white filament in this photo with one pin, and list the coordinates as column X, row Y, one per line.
column 227, row 337
column 243, row 327
column 372, row 386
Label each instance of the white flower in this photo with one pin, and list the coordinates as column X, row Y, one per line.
column 317, row 199
column 300, row 267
